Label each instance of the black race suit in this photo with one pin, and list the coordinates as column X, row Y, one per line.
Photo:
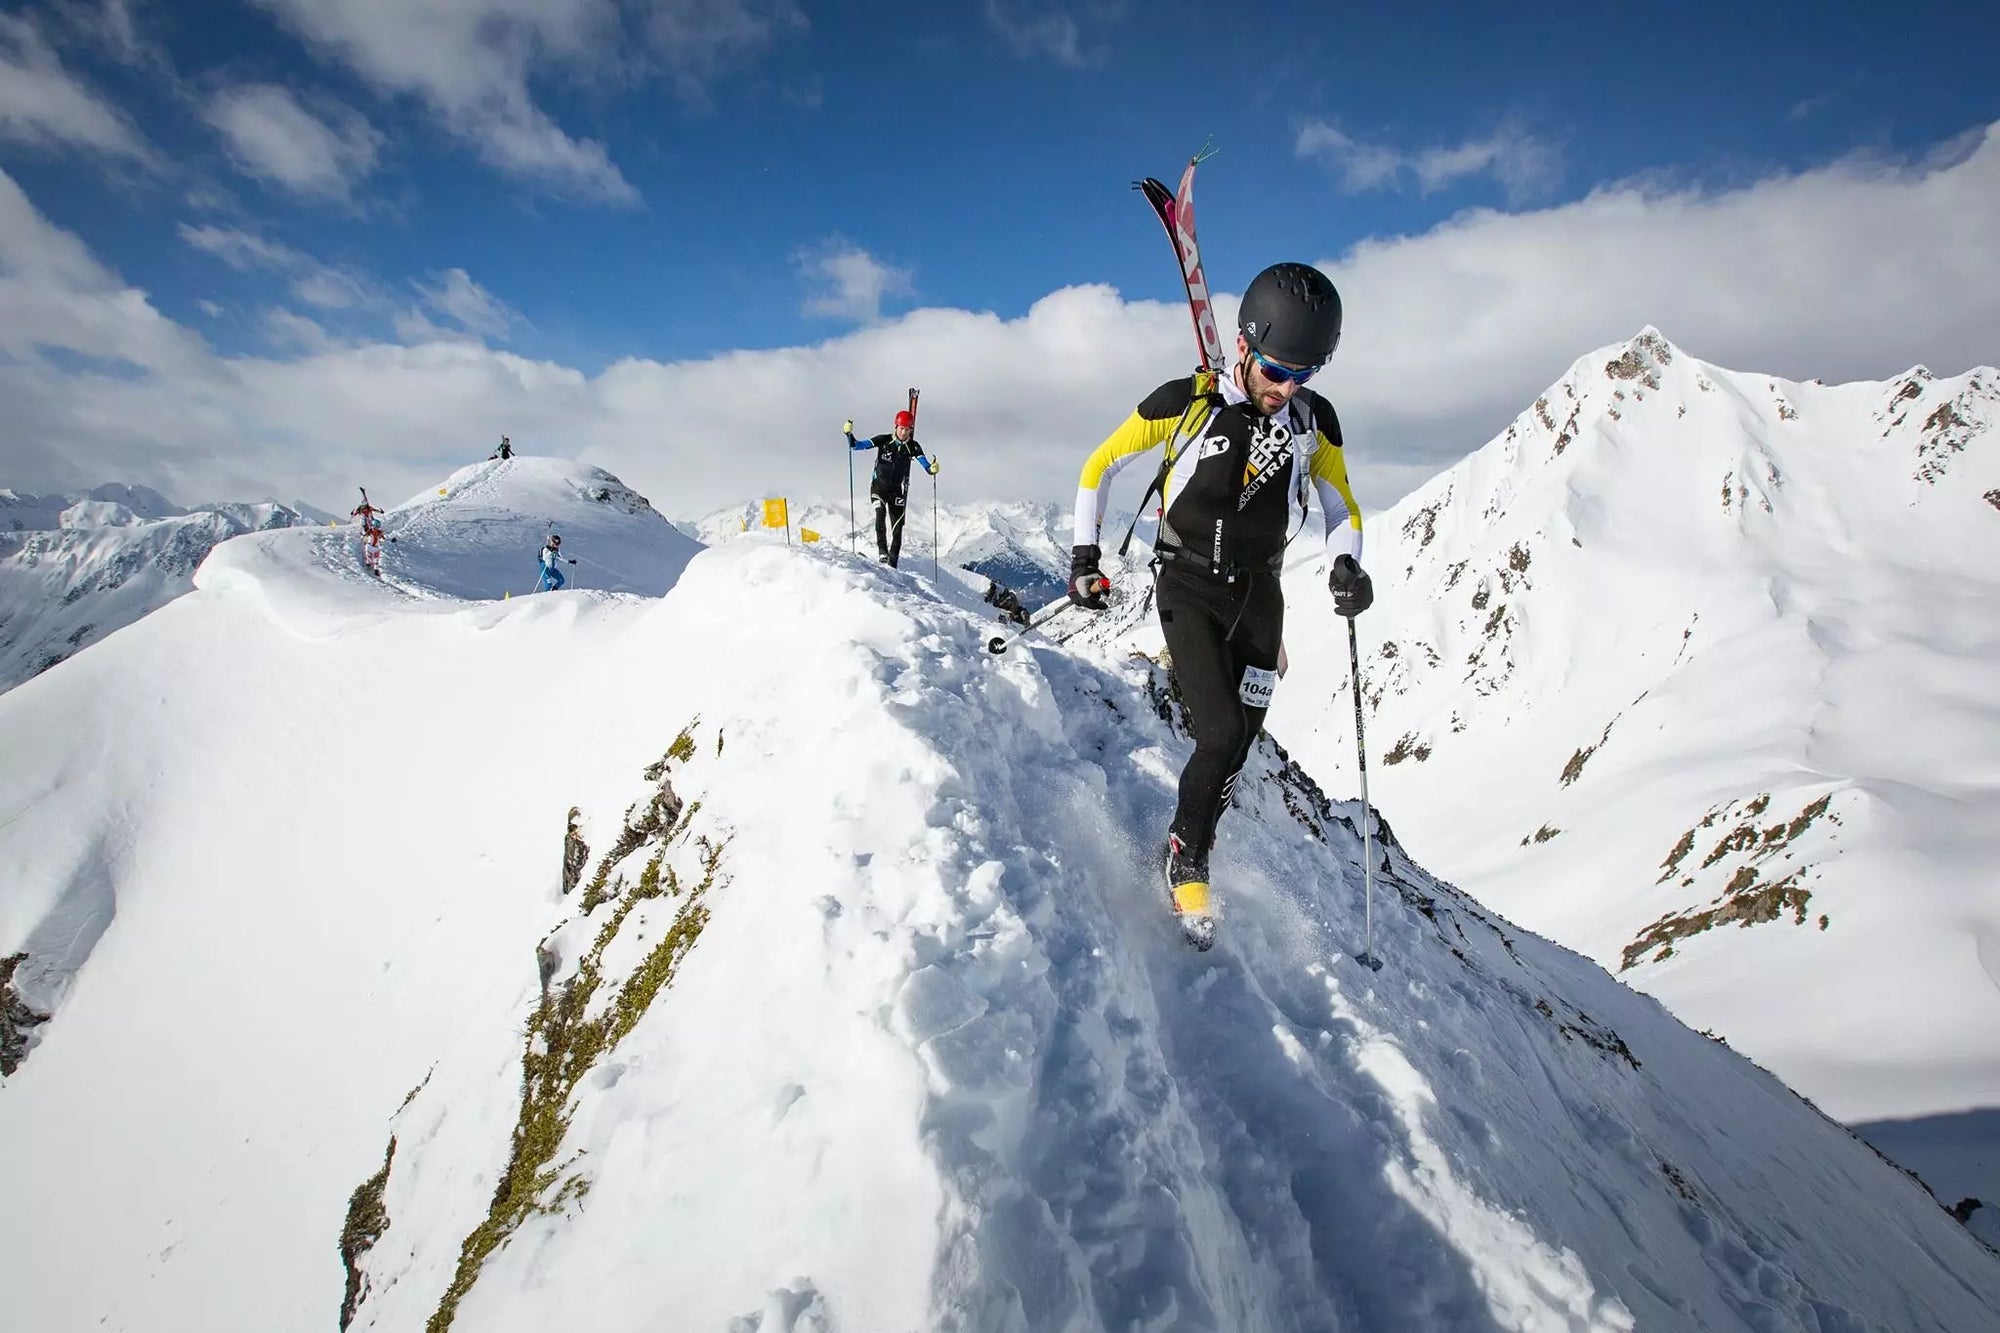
column 1227, row 504
column 889, row 492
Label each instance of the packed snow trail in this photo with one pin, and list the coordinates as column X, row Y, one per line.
column 939, row 1060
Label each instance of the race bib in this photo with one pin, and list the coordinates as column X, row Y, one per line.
column 1257, row 686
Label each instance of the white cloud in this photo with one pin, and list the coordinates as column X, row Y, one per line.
column 1524, row 165
column 287, row 328
column 454, row 294
column 209, row 308
column 243, row 250
column 1038, row 29
column 1363, row 166
column 269, row 135
column 469, row 305
column 471, row 62
column 1855, row 270
column 41, row 102
column 108, row 26
column 313, row 282
column 699, row 39
column 849, row 283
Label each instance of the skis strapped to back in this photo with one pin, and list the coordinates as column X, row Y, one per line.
column 1176, row 214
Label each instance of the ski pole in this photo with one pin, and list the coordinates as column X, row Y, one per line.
column 1367, row 956
column 934, row 512
column 998, row 644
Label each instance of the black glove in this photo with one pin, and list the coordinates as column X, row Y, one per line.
column 1087, row 584
column 1353, row 591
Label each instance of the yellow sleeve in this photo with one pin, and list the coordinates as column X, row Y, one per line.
column 1152, row 424
column 1329, row 466
column 1329, row 478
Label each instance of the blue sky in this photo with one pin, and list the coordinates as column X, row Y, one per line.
column 577, row 182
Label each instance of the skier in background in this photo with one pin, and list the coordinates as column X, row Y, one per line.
column 1246, row 447
column 552, row 558
column 1008, row 601
column 371, row 534
column 505, row 451
column 889, row 492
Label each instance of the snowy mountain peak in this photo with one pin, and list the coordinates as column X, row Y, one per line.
column 75, row 569
column 1683, row 669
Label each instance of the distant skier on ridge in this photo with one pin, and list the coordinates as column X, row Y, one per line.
column 371, row 533
column 890, row 490
column 552, row 579
column 1243, row 448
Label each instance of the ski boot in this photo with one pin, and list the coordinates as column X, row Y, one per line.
column 1188, row 895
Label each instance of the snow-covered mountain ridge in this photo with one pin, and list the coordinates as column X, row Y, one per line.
column 768, row 955
column 1022, row 547
column 73, row 569
column 1692, row 670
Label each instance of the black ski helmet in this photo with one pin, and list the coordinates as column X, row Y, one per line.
column 1291, row 313
column 554, row 540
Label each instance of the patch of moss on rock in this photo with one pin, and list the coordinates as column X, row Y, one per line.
column 1746, row 902
column 18, row 1019
column 1421, row 527
column 1674, row 858
column 1574, row 768
column 646, row 820
column 367, row 1219
column 1747, row 898
column 576, row 852
column 569, row 1034
column 1409, row 747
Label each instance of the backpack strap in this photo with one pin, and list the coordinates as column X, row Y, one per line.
column 1203, row 402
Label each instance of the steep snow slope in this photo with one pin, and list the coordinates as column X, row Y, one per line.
column 1693, row 670
column 74, row 569
column 862, row 1011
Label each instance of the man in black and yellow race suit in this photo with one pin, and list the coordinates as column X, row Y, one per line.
column 1243, row 451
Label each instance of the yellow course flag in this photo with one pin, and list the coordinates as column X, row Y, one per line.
column 808, row 535
column 776, row 515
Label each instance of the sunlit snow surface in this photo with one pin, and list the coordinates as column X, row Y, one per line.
column 936, row 1060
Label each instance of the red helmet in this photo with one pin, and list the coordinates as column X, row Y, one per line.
column 906, row 421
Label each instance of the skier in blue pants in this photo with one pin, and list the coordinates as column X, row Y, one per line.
column 552, row 558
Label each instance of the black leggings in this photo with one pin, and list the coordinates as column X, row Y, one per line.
column 889, row 522
column 1216, row 630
